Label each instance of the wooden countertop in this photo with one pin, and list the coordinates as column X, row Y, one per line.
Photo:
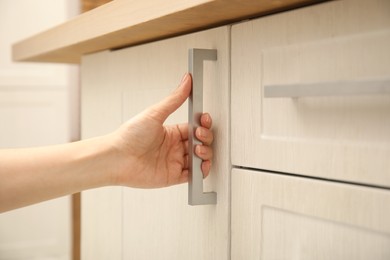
column 123, row 23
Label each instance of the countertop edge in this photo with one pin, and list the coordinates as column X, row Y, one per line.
column 150, row 21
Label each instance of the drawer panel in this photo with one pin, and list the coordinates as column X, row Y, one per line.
column 311, row 92
column 329, row 117
column 283, row 217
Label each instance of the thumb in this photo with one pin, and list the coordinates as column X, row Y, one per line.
column 170, row 104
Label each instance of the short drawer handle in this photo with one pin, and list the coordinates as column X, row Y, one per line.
column 324, row 89
column 196, row 196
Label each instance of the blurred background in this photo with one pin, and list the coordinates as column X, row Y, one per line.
column 39, row 105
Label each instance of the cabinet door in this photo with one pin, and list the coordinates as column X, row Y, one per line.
column 101, row 210
column 283, row 217
column 329, row 55
column 159, row 224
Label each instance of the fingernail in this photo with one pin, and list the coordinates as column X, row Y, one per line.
column 208, row 118
column 201, row 132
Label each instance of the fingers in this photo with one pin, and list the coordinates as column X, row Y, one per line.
column 204, row 152
column 204, row 135
column 183, row 178
column 206, row 166
column 170, row 104
column 205, row 120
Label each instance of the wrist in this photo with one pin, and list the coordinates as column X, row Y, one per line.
column 118, row 161
column 96, row 158
column 108, row 160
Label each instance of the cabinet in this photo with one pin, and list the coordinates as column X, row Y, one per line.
column 300, row 154
column 277, row 216
column 328, row 47
column 270, row 213
column 125, row 223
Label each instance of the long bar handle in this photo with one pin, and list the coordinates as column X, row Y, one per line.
column 323, row 89
column 196, row 196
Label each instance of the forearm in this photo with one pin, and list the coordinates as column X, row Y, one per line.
column 33, row 175
column 142, row 153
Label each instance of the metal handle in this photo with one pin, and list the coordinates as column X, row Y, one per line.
column 196, row 196
column 341, row 88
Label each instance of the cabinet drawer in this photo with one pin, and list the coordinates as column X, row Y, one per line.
column 310, row 92
column 283, row 217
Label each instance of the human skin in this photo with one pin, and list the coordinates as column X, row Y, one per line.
column 142, row 153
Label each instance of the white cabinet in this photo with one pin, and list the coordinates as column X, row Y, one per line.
column 277, row 216
column 317, row 53
column 126, row 223
column 298, row 157
column 343, row 138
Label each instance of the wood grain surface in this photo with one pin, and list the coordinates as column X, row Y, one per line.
column 123, row 23
column 87, row 5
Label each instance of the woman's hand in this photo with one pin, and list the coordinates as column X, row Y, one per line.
column 152, row 155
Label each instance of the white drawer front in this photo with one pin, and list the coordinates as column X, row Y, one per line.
column 284, row 217
column 337, row 63
column 331, row 117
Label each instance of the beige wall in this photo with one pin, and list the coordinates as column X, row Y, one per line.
column 35, row 110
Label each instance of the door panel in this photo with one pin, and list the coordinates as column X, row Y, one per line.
column 283, row 217
column 332, row 47
column 101, row 113
column 159, row 224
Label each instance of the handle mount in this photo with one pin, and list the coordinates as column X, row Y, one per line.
column 196, row 196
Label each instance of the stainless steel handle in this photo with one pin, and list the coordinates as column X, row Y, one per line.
column 196, row 196
column 340, row 88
